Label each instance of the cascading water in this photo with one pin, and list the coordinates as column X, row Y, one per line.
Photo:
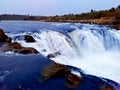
column 94, row 49
column 96, row 52
column 100, row 52
column 48, row 42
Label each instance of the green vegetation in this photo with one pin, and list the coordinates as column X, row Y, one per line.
column 12, row 17
column 113, row 12
column 107, row 17
column 20, row 17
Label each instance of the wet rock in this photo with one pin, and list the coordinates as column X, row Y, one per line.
column 73, row 80
column 116, row 27
column 29, row 50
column 4, row 38
column 8, row 39
column 18, row 48
column 53, row 55
column 61, row 71
column 55, row 71
column 106, row 88
column 15, row 45
column 29, row 39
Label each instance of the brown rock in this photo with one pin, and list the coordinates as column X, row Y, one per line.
column 116, row 27
column 55, row 71
column 60, row 71
column 3, row 37
column 8, row 39
column 29, row 38
column 106, row 88
column 29, row 50
column 53, row 55
column 73, row 80
column 18, row 48
column 15, row 45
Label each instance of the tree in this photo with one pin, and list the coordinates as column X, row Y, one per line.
column 32, row 17
column 112, row 9
column 118, row 8
column 92, row 10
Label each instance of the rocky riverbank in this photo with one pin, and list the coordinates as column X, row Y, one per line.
column 6, row 44
column 110, row 21
column 109, row 17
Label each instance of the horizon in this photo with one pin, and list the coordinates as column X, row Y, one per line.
column 54, row 7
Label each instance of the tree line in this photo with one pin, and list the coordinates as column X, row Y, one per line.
column 113, row 12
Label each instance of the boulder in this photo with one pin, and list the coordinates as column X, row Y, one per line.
column 53, row 55
column 73, row 80
column 55, row 71
column 116, row 27
column 15, row 45
column 61, row 71
column 106, row 88
column 29, row 39
column 4, row 38
column 28, row 50
column 18, row 48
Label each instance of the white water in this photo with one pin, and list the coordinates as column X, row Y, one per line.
column 96, row 54
column 48, row 42
column 96, row 60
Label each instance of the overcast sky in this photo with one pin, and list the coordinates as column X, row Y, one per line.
column 54, row 7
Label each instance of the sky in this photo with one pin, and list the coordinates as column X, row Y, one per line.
column 54, row 7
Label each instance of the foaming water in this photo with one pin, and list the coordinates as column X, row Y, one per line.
column 106, row 64
column 48, row 42
column 99, row 54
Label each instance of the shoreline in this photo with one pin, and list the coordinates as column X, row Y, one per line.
column 90, row 21
column 101, row 21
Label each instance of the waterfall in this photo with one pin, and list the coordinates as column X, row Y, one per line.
column 96, row 51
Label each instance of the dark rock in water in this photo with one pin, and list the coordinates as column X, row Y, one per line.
column 73, row 80
column 116, row 26
column 55, row 71
column 29, row 38
column 3, row 37
column 53, row 55
column 15, row 45
column 106, row 88
column 57, row 53
column 60, row 71
column 29, row 50
column 44, row 50
column 18, row 48
column 26, row 72
column 8, row 39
